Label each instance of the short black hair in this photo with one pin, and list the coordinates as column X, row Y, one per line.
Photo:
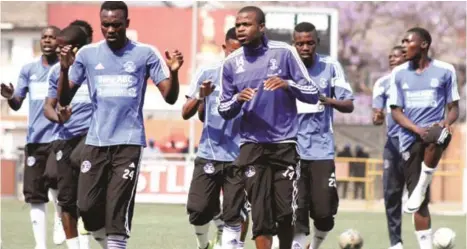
column 74, row 35
column 84, row 25
column 398, row 47
column 55, row 29
column 231, row 35
column 305, row 27
column 423, row 33
column 115, row 5
column 260, row 16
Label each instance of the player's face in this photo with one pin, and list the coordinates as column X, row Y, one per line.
column 306, row 43
column 48, row 42
column 230, row 46
column 247, row 27
column 396, row 57
column 412, row 46
column 113, row 26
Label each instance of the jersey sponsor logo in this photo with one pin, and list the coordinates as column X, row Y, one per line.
column 421, row 99
column 31, row 161
column 38, row 90
column 85, row 166
column 129, row 67
column 59, row 155
column 209, row 168
column 251, row 171
column 116, row 86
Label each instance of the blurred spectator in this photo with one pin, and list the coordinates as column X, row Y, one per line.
column 357, row 169
column 346, row 152
column 151, row 150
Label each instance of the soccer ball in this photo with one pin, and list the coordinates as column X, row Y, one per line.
column 444, row 238
column 350, row 239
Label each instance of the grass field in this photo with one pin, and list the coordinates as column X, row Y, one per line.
column 166, row 227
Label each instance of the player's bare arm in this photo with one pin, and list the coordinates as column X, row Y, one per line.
column 7, row 91
column 452, row 115
column 170, row 88
column 378, row 116
column 193, row 105
column 400, row 118
column 66, row 89
column 344, row 106
column 56, row 113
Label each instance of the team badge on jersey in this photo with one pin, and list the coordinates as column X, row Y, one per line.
column 406, row 155
column 323, row 83
column 273, row 68
column 209, row 168
column 129, row 67
column 250, row 172
column 31, row 161
column 85, row 166
column 434, row 82
column 59, row 155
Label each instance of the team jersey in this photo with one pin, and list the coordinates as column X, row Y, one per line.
column 220, row 138
column 422, row 96
column 117, row 86
column 81, row 107
column 315, row 133
column 271, row 116
column 33, row 80
column 380, row 101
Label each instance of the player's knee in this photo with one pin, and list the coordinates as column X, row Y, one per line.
column 324, row 224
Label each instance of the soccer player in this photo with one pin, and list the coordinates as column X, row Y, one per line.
column 318, row 198
column 219, row 147
column 419, row 92
column 262, row 81
column 116, row 70
column 40, row 166
column 72, row 134
column 393, row 176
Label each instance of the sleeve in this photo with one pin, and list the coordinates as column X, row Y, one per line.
column 157, row 68
column 193, row 88
column 77, row 72
column 396, row 96
column 22, row 85
column 452, row 91
column 301, row 85
column 52, row 80
column 378, row 95
column 342, row 88
column 229, row 107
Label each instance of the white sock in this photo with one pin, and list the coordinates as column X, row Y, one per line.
column 73, row 243
column 318, row 238
column 116, row 242
column 84, row 241
column 426, row 175
column 101, row 237
column 219, row 223
column 424, row 239
column 231, row 236
column 275, row 242
column 202, row 233
column 241, row 245
column 38, row 221
column 53, row 195
column 299, row 241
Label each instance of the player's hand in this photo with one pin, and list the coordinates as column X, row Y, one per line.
column 206, row 89
column 446, row 125
column 325, row 100
column 174, row 61
column 378, row 118
column 246, row 94
column 63, row 113
column 422, row 132
column 7, row 91
column 67, row 56
column 274, row 83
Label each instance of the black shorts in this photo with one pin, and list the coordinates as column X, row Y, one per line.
column 412, row 165
column 209, row 177
column 318, row 196
column 271, row 186
column 68, row 154
column 40, row 172
column 107, row 187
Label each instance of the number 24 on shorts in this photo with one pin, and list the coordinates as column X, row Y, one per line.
column 129, row 173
